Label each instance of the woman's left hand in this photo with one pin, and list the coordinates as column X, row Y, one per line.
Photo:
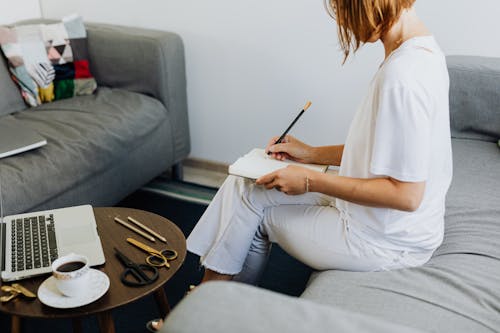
column 291, row 180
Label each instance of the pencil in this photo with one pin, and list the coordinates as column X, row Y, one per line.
column 131, row 227
column 131, row 219
column 308, row 104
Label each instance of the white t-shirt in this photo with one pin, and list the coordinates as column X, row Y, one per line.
column 402, row 130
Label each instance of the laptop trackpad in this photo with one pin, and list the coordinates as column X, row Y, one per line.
column 76, row 235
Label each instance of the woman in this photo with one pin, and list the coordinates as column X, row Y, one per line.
column 385, row 208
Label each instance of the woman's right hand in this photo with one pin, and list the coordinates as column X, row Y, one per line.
column 290, row 148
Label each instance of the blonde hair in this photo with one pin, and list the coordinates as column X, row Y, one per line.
column 358, row 20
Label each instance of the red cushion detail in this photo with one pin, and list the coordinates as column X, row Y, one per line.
column 82, row 70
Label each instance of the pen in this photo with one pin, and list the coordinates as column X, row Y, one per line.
column 308, row 104
column 125, row 224
column 131, row 219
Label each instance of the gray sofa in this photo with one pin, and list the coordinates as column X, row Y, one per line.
column 458, row 290
column 104, row 146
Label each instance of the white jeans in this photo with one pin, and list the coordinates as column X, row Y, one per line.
column 235, row 233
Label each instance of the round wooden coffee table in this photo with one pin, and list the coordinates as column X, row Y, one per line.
column 112, row 235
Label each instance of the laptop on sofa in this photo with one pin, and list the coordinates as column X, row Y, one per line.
column 15, row 139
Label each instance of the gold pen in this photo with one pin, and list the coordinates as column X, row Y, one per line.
column 131, row 227
column 139, row 224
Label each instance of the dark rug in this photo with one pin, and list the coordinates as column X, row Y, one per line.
column 183, row 204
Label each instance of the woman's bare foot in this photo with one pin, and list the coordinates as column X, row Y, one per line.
column 154, row 325
column 157, row 324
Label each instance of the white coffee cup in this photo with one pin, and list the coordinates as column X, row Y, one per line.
column 71, row 274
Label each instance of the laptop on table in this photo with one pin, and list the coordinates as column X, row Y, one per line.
column 30, row 242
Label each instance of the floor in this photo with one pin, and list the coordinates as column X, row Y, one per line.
column 204, row 177
column 198, row 185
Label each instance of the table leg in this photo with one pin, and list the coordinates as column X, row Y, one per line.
column 77, row 325
column 162, row 302
column 15, row 324
column 106, row 324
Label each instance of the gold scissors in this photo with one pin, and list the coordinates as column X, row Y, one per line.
column 156, row 258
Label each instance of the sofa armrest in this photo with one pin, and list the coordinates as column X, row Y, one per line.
column 474, row 97
column 234, row 307
column 145, row 61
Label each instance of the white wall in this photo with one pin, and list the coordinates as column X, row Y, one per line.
column 12, row 11
column 251, row 65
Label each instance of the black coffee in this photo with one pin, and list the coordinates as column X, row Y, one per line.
column 70, row 266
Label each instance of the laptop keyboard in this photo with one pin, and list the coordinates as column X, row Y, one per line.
column 33, row 242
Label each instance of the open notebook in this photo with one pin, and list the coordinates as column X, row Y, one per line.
column 257, row 163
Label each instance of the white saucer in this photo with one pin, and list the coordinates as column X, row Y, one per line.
column 49, row 295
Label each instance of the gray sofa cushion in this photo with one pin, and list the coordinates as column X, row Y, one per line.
column 10, row 97
column 474, row 97
column 451, row 293
column 87, row 136
column 234, row 307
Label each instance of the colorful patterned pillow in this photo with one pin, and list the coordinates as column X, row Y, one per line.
column 49, row 61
